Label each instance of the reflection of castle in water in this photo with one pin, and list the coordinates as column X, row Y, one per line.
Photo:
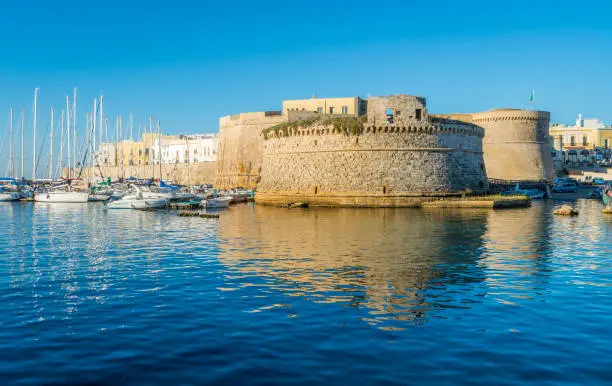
column 386, row 260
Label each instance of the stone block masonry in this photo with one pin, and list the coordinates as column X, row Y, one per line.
column 381, row 166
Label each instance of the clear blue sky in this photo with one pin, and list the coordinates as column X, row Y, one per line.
column 190, row 62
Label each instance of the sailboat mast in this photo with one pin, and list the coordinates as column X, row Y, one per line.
column 68, row 132
column 51, row 152
column 151, row 149
column 22, row 141
column 74, row 127
column 159, row 147
column 35, row 116
column 61, row 157
column 93, row 149
column 140, row 143
column 131, row 146
column 11, row 144
column 100, row 126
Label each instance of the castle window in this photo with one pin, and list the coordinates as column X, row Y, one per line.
column 418, row 114
column 320, row 110
column 584, row 141
column 331, row 110
column 344, row 109
column 573, row 141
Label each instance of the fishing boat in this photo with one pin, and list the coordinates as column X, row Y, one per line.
column 217, row 202
column 607, row 195
column 138, row 199
column 62, row 193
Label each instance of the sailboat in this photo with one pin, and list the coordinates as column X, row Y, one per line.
column 64, row 192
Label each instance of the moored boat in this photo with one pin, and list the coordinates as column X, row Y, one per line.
column 607, row 195
column 138, row 200
column 217, row 202
column 62, row 193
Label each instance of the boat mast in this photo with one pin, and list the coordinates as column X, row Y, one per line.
column 100, row 125
column 159, row 147
column 131, row 145
column 151, row 149
column 92, row 161
column 61, row 158
column 140, row 145
column 51, row 153
column 22, row 141
column 74, row 127
column 11, row 150
column 35, row 116
column 68, row 132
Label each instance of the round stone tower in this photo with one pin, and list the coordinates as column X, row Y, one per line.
column 516, row 145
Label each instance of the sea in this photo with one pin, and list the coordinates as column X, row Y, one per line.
column 264, row 296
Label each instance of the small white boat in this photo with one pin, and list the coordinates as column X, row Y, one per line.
column 62, row 193
column 217, row 202
column 9, row 196
column 138, row 200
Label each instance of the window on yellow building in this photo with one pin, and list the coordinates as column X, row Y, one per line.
column 331, row 110
column 320, row 110
column 573, row 141
column 584, row 141
column 606, row 143
column 344, row 109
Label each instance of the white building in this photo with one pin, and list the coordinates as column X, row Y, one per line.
column 192, row 148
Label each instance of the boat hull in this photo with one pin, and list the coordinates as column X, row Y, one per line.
column 65, row 197
column 99, row 197
column 9, row 196
column 217, row 202
column 607, row 200
column 142, row 204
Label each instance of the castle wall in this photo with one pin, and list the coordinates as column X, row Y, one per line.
column 240, row 148
column 516, row 144
column 383, row 166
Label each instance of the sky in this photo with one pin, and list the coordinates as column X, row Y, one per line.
column 187, row 63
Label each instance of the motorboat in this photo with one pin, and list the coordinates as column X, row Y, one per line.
column 138, row 200
column 534, row 194
column 8, row 195
column 62, row 193
column 217, row 202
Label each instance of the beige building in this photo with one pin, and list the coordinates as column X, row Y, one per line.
column 588, row 134
column 347, row 106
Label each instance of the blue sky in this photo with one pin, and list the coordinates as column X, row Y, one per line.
column 189, row 62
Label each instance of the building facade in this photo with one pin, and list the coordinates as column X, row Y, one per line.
column 586, row 134
column 342, row 106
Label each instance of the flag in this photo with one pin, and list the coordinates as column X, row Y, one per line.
column 532, row 97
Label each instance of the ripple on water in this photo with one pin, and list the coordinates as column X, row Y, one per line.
column 267, row 295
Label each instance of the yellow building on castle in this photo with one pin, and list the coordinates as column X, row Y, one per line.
column 348, row 105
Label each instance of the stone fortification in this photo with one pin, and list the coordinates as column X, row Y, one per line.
column 240, row 147
column 516, row 144
column 396, row 156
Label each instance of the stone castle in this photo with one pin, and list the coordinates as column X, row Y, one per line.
column 396, row 154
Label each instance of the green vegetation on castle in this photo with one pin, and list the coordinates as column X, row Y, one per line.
column 341, row 125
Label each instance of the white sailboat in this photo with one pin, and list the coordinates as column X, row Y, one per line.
column 63, row 193
column 217, row 202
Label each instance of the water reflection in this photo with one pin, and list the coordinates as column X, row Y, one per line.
column 399, row 264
